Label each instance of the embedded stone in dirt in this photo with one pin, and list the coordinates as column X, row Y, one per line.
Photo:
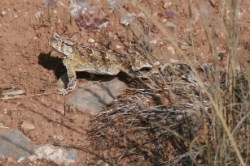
column 14, row 144
column 27, row 126
column 55, row 154
column 94, row 95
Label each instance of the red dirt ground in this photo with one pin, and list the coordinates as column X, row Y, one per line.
column 26, row 62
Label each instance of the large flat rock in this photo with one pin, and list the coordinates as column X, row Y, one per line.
column 94, row 95
column 14, row 144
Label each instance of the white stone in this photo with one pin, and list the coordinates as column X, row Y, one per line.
column 27, row 126
column 3, row 13
column 60, row 156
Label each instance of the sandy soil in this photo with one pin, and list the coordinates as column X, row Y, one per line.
column 27, row 63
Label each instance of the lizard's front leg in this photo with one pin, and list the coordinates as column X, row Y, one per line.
column 71, row 73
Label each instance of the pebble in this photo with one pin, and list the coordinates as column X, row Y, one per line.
column 15, row 16
column 171, row 49
column 167, row 4
column 27, row 126
column 154, row 41
column 91, row 40
column 38, row 14
column 58, row 137
column 169, row 24
column 3, row 13
column 126, row 19
column 55, row 11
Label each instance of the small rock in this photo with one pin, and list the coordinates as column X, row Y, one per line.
column 167, row 4
column 114, row 3
column 60, row 156
column 91, row 40
column 171, row 49
column 169, row 24
column 196, row 15
column 77, row 8
column 3, row 13
column 54, row 11
column 38, row 14
column 58, row 138
column 15, row 16
column 154, row 41
column 126, row 19
column 94, row 95
column 101, row 162
column 27, row 126
column 102, row 23
column 118, row 47
column 141, row 15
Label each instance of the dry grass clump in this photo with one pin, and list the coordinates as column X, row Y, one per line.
column 132, row 133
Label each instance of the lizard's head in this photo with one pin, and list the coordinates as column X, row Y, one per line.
column 62, row 44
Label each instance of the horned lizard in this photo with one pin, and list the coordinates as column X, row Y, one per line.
column 78, row 57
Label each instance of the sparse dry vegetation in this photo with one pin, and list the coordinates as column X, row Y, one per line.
column 205, row 122
column 193, row 110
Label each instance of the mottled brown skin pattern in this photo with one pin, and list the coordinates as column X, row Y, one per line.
column 82, row 58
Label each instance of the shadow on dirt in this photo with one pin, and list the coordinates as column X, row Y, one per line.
column 51, row 63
